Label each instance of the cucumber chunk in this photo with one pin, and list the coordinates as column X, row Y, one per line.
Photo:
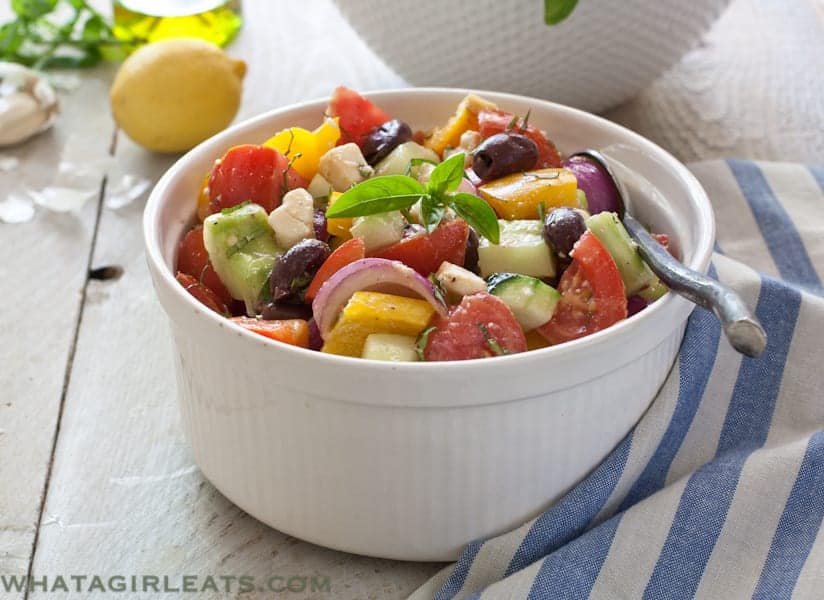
column 635, row 273
column 521, row 250
column 398, row 160
column 242, row 248
column 380, row 230
column 391, row 347
column 530, row 300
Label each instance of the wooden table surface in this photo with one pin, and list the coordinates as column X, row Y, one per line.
column 96, row 475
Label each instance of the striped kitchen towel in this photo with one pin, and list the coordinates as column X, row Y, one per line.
column 718, row 492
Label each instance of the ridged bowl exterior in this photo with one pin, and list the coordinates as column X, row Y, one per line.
column 412, row 461
column 603, row 54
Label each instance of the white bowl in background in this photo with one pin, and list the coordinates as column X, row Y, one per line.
column 412, row 461
column 603, row 54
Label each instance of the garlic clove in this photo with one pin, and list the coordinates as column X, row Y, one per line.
column 28, row 103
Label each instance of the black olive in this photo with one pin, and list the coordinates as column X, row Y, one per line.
column 562, row 228
column 319, row 221
column 503, row 154
column 471, row 255
column 294, row 270
column 379, row 142
column 276, row 311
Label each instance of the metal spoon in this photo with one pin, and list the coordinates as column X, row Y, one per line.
column 742, row 329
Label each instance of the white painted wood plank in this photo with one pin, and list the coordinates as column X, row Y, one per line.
column 125, row 495
column 44, row 264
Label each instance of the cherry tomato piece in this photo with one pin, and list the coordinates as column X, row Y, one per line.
column 257, row 174
column 291, row 331
column 425, row 252
column 206, row 296
column 358, row 116
column 593, row 296
column 346, row 253
column 193, row 259
column 481, row 325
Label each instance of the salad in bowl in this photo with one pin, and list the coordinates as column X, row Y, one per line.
column 364, row 238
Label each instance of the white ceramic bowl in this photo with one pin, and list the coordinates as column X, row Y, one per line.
column 412, row 461
column 603, row 54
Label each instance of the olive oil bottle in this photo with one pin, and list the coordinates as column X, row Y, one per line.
column 216, row 21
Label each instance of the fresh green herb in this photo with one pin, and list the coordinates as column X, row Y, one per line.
column 298, row 283
column 60, row 33
column 431, row 213
column 477, row 213
column 417, row 162
column 401, row 192
column 525, row 122
column 556, row 11
column 491, row 341
column 447, row 176
column 541, row 212
column 423, row 339
column 437, row 289
column 241, row 243
column 377, row 195
column 235, row 208
column 512, row 123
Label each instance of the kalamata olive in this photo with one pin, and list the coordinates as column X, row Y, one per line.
column 379, row 142
column 471, row 255
column 294, row 270
column 319, row 221
column 503, row 154
column 562, row 228
column 276, row 311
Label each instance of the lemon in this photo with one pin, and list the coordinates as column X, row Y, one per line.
column 171, row 95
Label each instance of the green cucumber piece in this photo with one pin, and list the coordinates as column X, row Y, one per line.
column 530, row 300
column 521, row 250
column 391, row 347
column 397, row 161
column 380, row 230
column 635, row 273
column 581, row 198
column 242, row 248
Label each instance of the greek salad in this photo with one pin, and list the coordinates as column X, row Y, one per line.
column 365, row 238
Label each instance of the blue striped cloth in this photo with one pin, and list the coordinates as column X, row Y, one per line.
column 718, row 492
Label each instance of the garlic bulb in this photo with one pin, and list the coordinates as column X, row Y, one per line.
column 28, row 103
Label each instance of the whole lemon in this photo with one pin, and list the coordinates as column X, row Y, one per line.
column 171, row 95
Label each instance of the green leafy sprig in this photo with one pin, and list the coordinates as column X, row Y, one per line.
column 59, row 33
column 401, row 192
column 556, row 11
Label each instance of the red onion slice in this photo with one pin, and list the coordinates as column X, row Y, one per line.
column 370, row 274
column 597, row 185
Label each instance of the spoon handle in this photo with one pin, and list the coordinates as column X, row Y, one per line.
column 742, row 329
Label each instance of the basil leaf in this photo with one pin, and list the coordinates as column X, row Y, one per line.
column 377, row 195
column 33, row 9
column 556, row 11
column 446, row 177
column 417, row 162
column 423, row 339
column 431, row 212
column 477, row 213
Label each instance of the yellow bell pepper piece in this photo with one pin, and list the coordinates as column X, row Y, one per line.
column 203, row 209
column 518, row 196
column 464, row 119
column 374, row 312
column 306, row 147
column 338, row 227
